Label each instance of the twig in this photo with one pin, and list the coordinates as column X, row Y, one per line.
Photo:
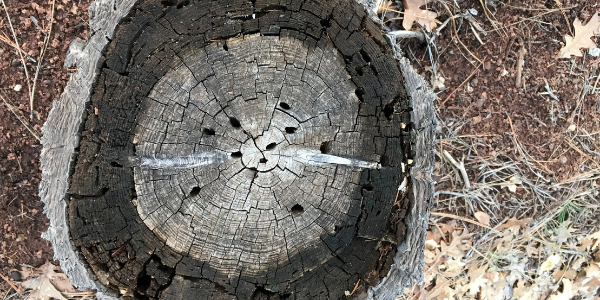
column 11, row 108
column 12, row 29
column 462, row 83
column 39, row 62
column 355, row 288
column 456, row 34
column 461, row 167
column 520, row 63
column 406, row 34
column 445, row 215
column 10, row 283
column 565, row 16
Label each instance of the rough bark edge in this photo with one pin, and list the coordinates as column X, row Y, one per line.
column 66, row 118
column 409, row 261
column 60, row 138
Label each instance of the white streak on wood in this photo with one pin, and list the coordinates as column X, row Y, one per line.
column 179, row 162
column 317, row 158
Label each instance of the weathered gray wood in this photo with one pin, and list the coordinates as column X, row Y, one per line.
column 61, row 140
column 61, row 137
column 409, row 261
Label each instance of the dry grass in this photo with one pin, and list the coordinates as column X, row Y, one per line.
column 509, row 186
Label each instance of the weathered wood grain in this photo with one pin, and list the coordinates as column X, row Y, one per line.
column 143, row 251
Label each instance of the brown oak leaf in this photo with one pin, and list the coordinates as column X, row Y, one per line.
column 413, row 13
column 582, row 38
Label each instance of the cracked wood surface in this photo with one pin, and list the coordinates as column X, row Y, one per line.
column 237, row 149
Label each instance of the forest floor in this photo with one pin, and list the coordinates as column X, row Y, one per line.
column 518, row 147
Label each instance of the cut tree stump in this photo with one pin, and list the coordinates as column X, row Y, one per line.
column 238, row 150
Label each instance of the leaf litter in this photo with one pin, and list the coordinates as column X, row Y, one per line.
column 47, row 282
column 519, row 260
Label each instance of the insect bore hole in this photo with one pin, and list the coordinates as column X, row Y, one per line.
column 237, row 154
column 263, row 160
column 235, row 123
column 325, row 147
column 297, row 210
column 208, row 131
column 195, row 191
column 284, row 105
column 290, row 130
column 271, row 146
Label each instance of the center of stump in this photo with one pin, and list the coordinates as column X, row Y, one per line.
column 258, row 182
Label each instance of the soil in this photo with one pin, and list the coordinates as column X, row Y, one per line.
column 483, row 94
column 540, row 123
column 21, row 212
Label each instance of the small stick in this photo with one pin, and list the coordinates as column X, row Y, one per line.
column 355, row 288
column 520, row 63
column 11, row 108
column 565, row 16
column 439, row 214
column 10, row 283
column 39, row 62
column 460, row 166
column 407, row 34
column 458, row 87
column 12, row 29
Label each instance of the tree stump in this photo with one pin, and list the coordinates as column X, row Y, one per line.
column 238, row 150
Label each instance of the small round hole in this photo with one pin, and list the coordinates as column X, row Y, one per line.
column 271, row 146
column 183, row 4
column 116, row 164
column 263, row 160
column 325, row 23
column 208, row 131
column 235, row 123
column 325, row 147
column 297, row 210
column 284, row 105
column 290, row 130
column 236, row 154
column 388, row 110
column 195, row 191
column 360, row 92
column 365, row 56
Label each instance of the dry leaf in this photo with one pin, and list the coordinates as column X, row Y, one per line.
column 482, row 217
column 582, row 39
column 452, row 267
column 413, row 13
column 589, row 242
column 45, row 283
column 514, row 222
column 567, row 292
column 569, row 274
column 549, row 264
column 42, row 288
column 448, row 227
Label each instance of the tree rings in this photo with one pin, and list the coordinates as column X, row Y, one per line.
column 246, row 150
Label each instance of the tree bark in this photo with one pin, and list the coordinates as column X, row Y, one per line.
column 218, row 149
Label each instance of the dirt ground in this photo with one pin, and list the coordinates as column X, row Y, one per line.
column 21, row 211
column 545, row 130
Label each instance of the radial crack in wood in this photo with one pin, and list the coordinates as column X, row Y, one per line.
column 246, row 150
